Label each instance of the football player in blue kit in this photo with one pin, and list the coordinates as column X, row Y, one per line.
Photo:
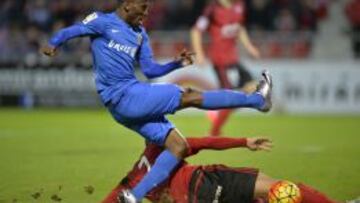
column 118, row 43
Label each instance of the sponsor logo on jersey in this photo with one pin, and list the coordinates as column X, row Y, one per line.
column 230, row 30
column 123, row 48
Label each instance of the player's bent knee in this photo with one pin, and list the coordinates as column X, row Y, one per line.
column 191, row 97
column 176, row 144
column 180, row 150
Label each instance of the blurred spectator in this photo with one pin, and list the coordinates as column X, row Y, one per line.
column 285, row 21
column 352, row 10
column 63, row 10
column 13, row 11
column 260, row 14
column 307, row 15
column 182, row 15
column 158, row 15
column 38, row 14
column 25, row 23
column 321, row 8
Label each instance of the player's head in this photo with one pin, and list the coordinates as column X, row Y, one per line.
column 134, row 11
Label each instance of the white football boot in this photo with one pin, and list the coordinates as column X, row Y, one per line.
column 125, row 196
column 264, row 88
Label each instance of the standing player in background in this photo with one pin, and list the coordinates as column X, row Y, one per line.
column 118, row 43
column 210, row 183
column 223, row 19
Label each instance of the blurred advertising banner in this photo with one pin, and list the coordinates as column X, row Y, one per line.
column 52, row 87
column 299, row 86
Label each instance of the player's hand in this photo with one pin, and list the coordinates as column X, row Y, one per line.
column 259, row 143
column 48, row 50
column 185, row 57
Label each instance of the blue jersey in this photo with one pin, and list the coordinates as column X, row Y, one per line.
column 116, row 48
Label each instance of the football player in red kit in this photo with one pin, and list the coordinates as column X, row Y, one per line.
column 223, row 20
column 209, row 183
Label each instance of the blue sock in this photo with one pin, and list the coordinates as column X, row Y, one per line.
column 160, row 171
column 222, row 99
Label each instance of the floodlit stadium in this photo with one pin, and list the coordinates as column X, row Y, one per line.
column 62, row 118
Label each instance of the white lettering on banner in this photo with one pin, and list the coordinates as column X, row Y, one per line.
column 38, row 81
column 318, row 90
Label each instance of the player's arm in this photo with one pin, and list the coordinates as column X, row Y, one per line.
column 91, row 25
column 197, row 38
column 223, row 143
column 246, row 42
column 152, row 69
column 196, row 34
column 196, row 42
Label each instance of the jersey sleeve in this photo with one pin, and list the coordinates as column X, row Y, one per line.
column 214, row 143
column 149, row 67
column 145, row 52
column 203, row 22
column 93, row 24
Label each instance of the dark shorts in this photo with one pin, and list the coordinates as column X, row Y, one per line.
column 218, row 183
column 222, row 74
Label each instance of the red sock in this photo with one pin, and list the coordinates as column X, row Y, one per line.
column 112, row 196
column 219, row 122
column 310, row 195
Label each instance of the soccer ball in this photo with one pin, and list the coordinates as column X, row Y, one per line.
column 285, row 192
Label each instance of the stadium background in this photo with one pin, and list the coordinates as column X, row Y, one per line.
column 56, row 138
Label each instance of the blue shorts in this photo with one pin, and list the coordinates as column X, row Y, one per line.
column 143, row 106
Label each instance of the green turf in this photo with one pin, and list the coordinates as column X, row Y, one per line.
column 43, row 149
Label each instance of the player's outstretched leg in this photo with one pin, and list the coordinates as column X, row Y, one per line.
column 309, row 195
column 225, row 99
column 176, row 148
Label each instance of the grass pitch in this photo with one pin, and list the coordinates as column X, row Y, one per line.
column 48, row 155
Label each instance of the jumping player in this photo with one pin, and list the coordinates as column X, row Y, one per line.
column 223, row 20
column 209, row 183
column 118, row 43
